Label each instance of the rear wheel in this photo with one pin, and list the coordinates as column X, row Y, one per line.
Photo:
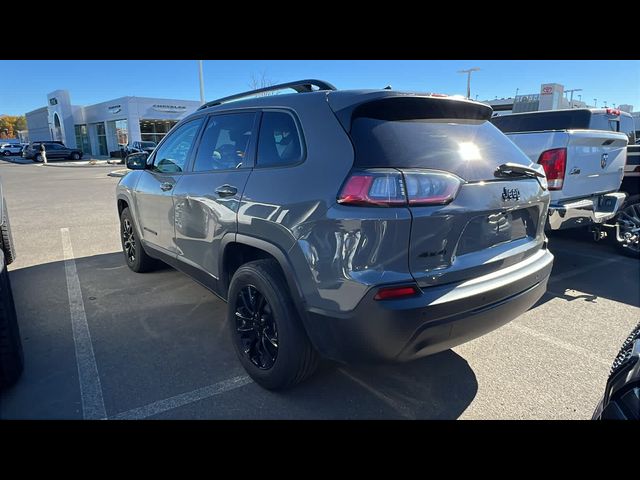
column 134, row 254
column 6, row 240
column 267, row 334
column 6, row 153
column 75, row 156
column 11, row 355
column 38, row 158
column 628, row 221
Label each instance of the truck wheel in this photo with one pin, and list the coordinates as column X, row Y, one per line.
column 134, row 254
column 11, row 355
column 6, row 240
column 629, row 221
column 266, row 331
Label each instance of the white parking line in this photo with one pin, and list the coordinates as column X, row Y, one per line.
column 183, row 399
column 90, row 387
column 558, row 343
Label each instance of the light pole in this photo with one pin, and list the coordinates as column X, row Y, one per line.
column 571, row 100
column 595, row 102
column 201, row 83
column 468, row 72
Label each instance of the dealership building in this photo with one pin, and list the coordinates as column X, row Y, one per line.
column 105, row 127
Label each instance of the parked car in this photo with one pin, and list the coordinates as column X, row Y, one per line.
column 53, row 150
column 356, row 225
column 11, row 356
column 7, row 149
column 583, row 160
column 621, row 399
column 136, row 147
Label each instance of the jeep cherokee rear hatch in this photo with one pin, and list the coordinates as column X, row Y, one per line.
column 477, row 202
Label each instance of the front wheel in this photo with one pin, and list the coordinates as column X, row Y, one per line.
column 266, row 332
column 134, row 254
column 628, row 221
column 6, row 153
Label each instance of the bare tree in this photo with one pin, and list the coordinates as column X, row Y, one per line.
column 261, row 81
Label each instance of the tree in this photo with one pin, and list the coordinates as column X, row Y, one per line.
column 261, row 81
column 9, row 125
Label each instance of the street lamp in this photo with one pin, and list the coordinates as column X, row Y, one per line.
column 468, row 72
column 595, row 102
column 571, row 100
column 201, row 83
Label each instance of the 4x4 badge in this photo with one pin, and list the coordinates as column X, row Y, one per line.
column 510, row 194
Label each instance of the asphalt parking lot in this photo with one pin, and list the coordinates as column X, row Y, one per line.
column 103, row 342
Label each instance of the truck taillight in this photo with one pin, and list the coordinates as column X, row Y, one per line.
column 613, row 111
column 391, row 187
column 554, row 163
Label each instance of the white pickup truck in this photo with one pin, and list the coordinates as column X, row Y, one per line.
column 583, row 160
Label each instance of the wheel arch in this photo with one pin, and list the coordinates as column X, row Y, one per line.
column 237, row 249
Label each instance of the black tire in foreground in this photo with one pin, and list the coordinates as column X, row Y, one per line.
column 265, row 329
column 11, row 356
column 6, row 240
column 134, row 254
column 628, row 220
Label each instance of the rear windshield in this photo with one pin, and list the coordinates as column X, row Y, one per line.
column 536, row 122
column 472, row 149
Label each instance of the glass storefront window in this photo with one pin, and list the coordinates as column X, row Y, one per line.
column 82, row 139
column 122, row 133
column 102, row 139
column 155, row 130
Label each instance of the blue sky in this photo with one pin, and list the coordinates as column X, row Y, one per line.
column 24, row 84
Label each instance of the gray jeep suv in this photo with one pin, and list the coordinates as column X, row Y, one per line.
column 354, row 225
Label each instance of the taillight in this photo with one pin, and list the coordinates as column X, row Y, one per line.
column 613, row 111
column 393, row 293
column 554, row 163
column 390, row 187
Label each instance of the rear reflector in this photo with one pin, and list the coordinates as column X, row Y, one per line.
column 393, row 293
column 554, row 163
column 391, row 187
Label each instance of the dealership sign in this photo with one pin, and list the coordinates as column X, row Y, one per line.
column 169, row 108
column 547, row 90
column 114, row 109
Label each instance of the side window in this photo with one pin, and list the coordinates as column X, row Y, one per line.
column 172, row 156
column 225, row 142
column 279, row 142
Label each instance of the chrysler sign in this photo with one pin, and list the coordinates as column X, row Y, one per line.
column 114, row 109
column 169, row 108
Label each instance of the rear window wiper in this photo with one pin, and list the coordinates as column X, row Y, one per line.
column 517, row 170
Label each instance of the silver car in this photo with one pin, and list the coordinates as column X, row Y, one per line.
column 359, row 225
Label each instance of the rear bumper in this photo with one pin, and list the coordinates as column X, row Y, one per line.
column 588, row 211
column 437, row 319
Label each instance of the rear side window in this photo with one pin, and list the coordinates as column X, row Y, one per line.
column 536, row 122
column 225, row 143
column 279, row 142
column 471, row 149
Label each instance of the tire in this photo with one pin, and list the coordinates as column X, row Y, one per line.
column 6, row 239
column 38, row 158
column 137, row 259
column 75, row 156
column 6, row 153
column 631, row 208
column 295, row 359
column 11, row 355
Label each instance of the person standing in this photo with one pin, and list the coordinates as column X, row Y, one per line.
column 43, row 153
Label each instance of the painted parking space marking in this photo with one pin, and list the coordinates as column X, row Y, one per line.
column 167, row 404
column 90, row 387
column 558, row 343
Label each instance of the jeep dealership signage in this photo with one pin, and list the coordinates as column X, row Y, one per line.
column 169, row 108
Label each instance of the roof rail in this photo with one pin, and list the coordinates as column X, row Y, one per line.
column 299, row 86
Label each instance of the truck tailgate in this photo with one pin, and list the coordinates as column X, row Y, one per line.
column 595, row 159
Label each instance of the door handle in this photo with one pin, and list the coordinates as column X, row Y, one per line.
column 166, row 186
column 226, row 191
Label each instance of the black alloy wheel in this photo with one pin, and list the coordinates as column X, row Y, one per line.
column 256, row 327
column 129, row 240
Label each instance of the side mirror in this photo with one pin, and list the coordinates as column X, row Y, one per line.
column 137, row 161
